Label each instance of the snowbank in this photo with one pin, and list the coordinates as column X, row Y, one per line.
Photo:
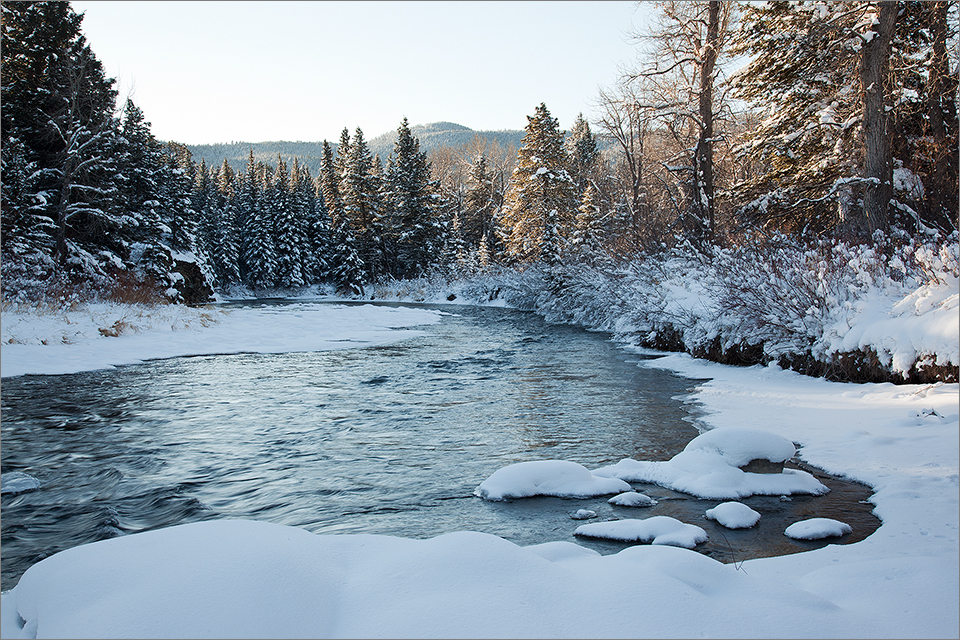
column 103, row 335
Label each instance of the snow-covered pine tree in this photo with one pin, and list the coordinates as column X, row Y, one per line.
column 289, row 229
column 316, row 223
column 412, row 200
column 226, row 250
column 539, row 207
column 584, row 154
column 140, row 190
column 361, row 206
column 259, row 253
column 586, row 244
column 826, row 75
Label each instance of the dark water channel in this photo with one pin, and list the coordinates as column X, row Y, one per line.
column 388, row 440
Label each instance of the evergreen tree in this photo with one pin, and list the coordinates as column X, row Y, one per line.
column 289, row 231
column 586, row 243
column 316, row 223
column 140, row 191
column 361, row 206
column 584, row 154
column 258, row 252
column 225, row 251
column 412, row 200
column 832, row 80
column 539, row 206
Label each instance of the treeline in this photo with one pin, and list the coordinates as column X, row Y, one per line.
column 842, row 125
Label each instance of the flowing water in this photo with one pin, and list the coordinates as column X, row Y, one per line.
column 388, row 440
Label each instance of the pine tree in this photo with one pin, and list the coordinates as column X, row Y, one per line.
column 225, row 251
column 539, row 206
column 412, row 200
column 586, row 244
column 316, row 223
column 140, row 191
column 841, row 92
column 361, row 206
column 259, row 254
column 289, row 231
column 584, row 154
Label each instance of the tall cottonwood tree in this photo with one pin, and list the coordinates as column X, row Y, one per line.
column 679, row 75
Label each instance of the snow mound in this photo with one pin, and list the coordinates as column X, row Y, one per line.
column 17, row 481
column 632, row 499
column 734, row 515
column 560, row 478
column 655, row 530
column 583, row 514
column 708, row 467
column 817, row 528
column 739, row 446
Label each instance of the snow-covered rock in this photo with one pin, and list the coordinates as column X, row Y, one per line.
column 817, row 528
column 733, row 515
column 632, row 499
column 560, row 478
column 655, row 530
column 709, row 467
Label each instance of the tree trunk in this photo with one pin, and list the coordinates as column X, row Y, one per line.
column 878, row 159
column 703, row 191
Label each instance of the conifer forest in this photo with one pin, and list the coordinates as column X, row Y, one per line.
column 774, row 142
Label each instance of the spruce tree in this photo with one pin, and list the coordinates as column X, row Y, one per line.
column 361, row 206
column 412, row 200
column 539, row 207
column 289, row 230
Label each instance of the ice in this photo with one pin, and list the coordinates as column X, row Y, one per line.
column 17, row 481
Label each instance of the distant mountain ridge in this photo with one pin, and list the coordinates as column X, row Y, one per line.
column 431, row 136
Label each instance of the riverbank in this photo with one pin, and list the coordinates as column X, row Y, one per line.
column 198, row 580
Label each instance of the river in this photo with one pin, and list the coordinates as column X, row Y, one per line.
column 387, row 440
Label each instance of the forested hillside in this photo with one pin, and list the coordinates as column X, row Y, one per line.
column 432, row 137
column 838, row 136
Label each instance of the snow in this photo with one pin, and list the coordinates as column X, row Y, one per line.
column 708, row 467
column 632, row 499
column 733, row 515
column 103, row 335
column 560, row 478
column 817, row 528
column 655, row 530
column 233, row 578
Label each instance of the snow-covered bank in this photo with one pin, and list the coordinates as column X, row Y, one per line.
column 241, row 578
column 103, row 335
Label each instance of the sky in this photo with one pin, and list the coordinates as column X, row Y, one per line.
column 207, row 72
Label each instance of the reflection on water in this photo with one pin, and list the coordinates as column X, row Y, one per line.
column 388, row 440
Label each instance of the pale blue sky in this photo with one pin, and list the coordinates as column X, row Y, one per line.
column 254, row 71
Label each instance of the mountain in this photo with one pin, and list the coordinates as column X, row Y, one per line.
column 431, row 136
